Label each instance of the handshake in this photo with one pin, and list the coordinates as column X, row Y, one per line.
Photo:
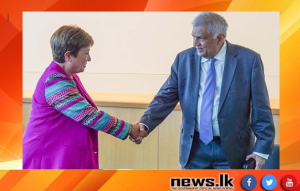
column 137, row 133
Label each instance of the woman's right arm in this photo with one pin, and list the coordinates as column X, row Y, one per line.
column 61, row 93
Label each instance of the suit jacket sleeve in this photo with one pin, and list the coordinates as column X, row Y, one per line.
column 165, row 100
column 262, row 118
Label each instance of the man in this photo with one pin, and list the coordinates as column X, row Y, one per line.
column 223, row 97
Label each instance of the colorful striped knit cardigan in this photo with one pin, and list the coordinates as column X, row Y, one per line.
column 62, row 132
column 62, row 93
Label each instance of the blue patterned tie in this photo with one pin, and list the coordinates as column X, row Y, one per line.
column 205, row 132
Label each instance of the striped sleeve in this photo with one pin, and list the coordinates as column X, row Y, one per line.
column 62, row 94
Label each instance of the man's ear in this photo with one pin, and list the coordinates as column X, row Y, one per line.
column 67, row 56
column 221, row 38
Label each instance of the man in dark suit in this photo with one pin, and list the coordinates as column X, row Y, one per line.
column 223, row 97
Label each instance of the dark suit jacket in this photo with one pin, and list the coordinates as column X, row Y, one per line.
column 243, row 109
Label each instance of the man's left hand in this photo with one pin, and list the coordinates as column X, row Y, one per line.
column 259, row 160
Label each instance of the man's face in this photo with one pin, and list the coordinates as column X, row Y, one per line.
column 206, row 45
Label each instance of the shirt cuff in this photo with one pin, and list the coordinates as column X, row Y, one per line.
column 265, row 156
column 146, row 126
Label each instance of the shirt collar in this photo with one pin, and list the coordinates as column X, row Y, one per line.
column 220, row 56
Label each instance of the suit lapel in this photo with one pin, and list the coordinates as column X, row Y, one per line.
column 196, row 72
column 229, row 70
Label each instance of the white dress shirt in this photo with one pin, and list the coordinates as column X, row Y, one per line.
column 219, row 66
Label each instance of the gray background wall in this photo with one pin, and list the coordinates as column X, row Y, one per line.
column 134, row 51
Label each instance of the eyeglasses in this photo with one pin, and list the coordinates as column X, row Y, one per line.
column 201, row 39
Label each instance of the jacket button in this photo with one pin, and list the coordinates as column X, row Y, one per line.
column 95, row 152
column 191, row 136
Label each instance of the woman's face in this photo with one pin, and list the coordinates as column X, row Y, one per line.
column 79, row 62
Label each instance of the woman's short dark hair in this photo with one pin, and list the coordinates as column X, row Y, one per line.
column 69, row 38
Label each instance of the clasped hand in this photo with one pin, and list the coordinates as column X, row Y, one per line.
column 137, row 133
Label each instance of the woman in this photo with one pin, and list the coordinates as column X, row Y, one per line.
column 64, row 122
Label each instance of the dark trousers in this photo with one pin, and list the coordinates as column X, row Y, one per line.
column 210, row 156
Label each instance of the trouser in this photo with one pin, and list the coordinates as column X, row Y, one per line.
column 210, row 156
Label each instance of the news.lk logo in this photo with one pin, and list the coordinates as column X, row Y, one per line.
column 269, row 182
column 249, row 182
column 289, row 182
column 208, row 183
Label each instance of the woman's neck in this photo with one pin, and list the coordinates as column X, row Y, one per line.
column 65, row 67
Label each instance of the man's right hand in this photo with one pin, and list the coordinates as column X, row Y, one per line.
column 137, row 133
